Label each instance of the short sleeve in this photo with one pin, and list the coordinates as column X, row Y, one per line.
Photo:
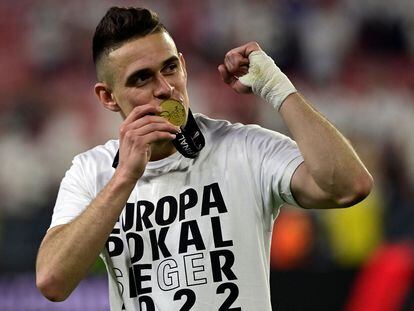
column 284, row 185
column 274, row 159
column 74, row 195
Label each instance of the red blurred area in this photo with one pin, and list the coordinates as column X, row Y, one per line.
column 292, row 240
column 386, row 280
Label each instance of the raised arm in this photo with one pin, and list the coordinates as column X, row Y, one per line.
column 68, row 251
column 332, row 175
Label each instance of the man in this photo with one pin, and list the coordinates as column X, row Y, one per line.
column 187, row 230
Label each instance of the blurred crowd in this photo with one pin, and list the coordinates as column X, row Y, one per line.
column 354, row 60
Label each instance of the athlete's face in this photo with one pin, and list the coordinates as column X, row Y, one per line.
column 146, row 70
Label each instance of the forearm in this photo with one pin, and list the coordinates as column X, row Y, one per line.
column 329, row 158
column 66, row 254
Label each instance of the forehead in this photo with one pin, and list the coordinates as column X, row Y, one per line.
column 146, row 52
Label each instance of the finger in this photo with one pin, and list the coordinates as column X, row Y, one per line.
column 240, row 87
column 131, row 123
column 236, row 63
column 243, row 70
column 154, row 127
column 236, row 59
column 159, row 136
column 232, row 80
column 141, row 111
column 226, row 75
column 246, row 49
column 150, row 137
column 148, row 120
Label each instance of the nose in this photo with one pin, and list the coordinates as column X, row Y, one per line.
column 163, row 89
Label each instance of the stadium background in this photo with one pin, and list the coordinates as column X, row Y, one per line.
column 354, row 60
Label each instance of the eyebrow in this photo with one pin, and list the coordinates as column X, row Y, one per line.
column 147, row 71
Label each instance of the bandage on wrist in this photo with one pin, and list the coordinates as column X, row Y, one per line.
column 267, row 80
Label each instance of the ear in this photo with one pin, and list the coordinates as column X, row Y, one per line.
column 182, row 61
column 106, row 97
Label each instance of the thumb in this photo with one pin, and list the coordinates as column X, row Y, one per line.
column 226, row 75
column 233, row 81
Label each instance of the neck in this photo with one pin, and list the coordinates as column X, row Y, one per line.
column 161, row 150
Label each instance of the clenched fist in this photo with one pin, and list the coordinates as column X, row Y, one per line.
column 249, row 69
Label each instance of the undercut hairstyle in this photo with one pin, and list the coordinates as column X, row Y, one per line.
column 120, row 25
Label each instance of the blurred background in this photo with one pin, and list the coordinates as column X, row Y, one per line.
column 354, row 60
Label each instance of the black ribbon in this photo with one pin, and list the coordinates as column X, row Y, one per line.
column 190, row 141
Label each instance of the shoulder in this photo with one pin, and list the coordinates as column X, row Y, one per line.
column 101, row 156
column 90, row 170
column 211, row 124
column 225, row 129
column 221, row 128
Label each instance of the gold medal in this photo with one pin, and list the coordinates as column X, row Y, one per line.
column 173, row 111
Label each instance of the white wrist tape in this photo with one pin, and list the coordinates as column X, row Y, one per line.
column 266, row 79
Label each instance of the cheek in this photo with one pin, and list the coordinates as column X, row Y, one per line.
column 135, row 98
column 126, row 102
column 125, row 109
column 181, row 85
column 186, row 100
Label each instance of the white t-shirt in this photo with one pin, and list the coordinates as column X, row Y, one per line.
column 195, row 233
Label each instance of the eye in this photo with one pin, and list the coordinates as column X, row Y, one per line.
column 142, row 79
column 170, row 68
column 139, row 78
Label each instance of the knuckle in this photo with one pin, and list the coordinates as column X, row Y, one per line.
column 129, row 135
column 234, row 53
column 229, row 54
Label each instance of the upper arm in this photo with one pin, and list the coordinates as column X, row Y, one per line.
column 74, row 194
column 306, row 191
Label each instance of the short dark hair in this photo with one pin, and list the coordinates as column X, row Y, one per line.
column 122, row 24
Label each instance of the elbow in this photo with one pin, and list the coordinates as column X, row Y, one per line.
column 358, row 191
column 50, row 287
